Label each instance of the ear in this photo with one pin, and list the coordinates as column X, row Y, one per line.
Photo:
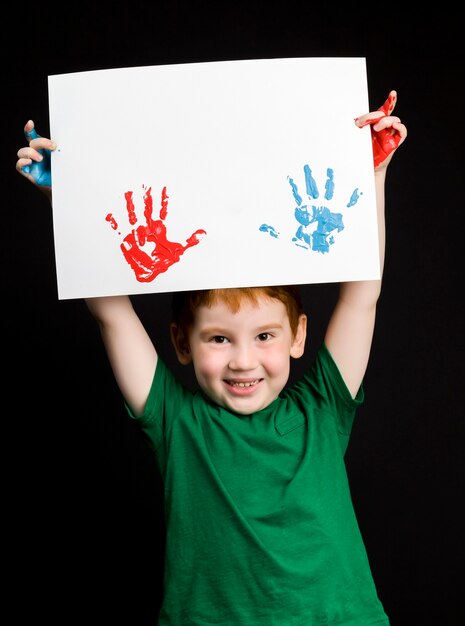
column 181, row 344
column 298, row 344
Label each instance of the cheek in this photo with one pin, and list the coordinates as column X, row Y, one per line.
column 208, row 363
column 277, row 362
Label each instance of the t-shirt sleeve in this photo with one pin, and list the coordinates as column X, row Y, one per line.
column 329, row 391
column 165, row 389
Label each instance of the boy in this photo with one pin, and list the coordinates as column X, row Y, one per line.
column 260, row 525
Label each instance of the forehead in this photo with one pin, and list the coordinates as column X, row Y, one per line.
column 263, row 309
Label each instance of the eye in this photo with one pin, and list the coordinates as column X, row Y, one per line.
column 264, row 336
column 219, row 339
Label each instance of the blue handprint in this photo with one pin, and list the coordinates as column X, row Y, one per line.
column 316, row 224
column 40, row 171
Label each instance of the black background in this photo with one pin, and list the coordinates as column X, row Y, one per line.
column 82, row 514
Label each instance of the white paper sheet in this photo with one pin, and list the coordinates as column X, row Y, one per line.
column 259, row 164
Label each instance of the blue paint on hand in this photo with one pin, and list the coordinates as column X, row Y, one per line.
column 41, row 171
column 31, row 134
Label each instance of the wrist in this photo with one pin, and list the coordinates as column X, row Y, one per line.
column 380, row 174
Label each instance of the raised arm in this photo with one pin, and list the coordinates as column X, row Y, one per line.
column 350, row 330
column 129, row 348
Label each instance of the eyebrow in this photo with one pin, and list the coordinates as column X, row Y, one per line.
column 219, row 330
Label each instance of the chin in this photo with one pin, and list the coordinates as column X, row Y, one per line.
column 245, row 407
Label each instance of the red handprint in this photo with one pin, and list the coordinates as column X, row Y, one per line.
column 146, row 266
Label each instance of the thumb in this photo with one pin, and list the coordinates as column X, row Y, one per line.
column 388, row 107
column 30, row 134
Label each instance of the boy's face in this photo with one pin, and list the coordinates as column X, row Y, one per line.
column 242, row 360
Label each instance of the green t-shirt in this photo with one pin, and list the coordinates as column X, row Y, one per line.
column 260, row 524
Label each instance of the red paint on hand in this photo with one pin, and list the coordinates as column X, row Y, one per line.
column 147, row 267
column 386, row 140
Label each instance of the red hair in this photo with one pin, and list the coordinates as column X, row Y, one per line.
column 186, row 303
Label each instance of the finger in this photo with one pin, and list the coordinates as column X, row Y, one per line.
column 30, row 132
column 25, row 168
column 32, row 135
column 34, row 160
column 369, row 118
column 29, row 153
column 386, row 141
column 28, row 126
column 374, row 116
column 389, row 127
column 401, row 131
column 22, row 165
column 385, row 122
column 388, row 107
column 38, row 145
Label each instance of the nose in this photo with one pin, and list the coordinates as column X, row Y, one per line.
column 243, row 358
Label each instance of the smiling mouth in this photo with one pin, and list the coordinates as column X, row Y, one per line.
column 249, row 383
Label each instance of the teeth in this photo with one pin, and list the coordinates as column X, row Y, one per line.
column 251, row 384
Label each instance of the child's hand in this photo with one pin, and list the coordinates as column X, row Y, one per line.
column 34, row 160
column 387, row 131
